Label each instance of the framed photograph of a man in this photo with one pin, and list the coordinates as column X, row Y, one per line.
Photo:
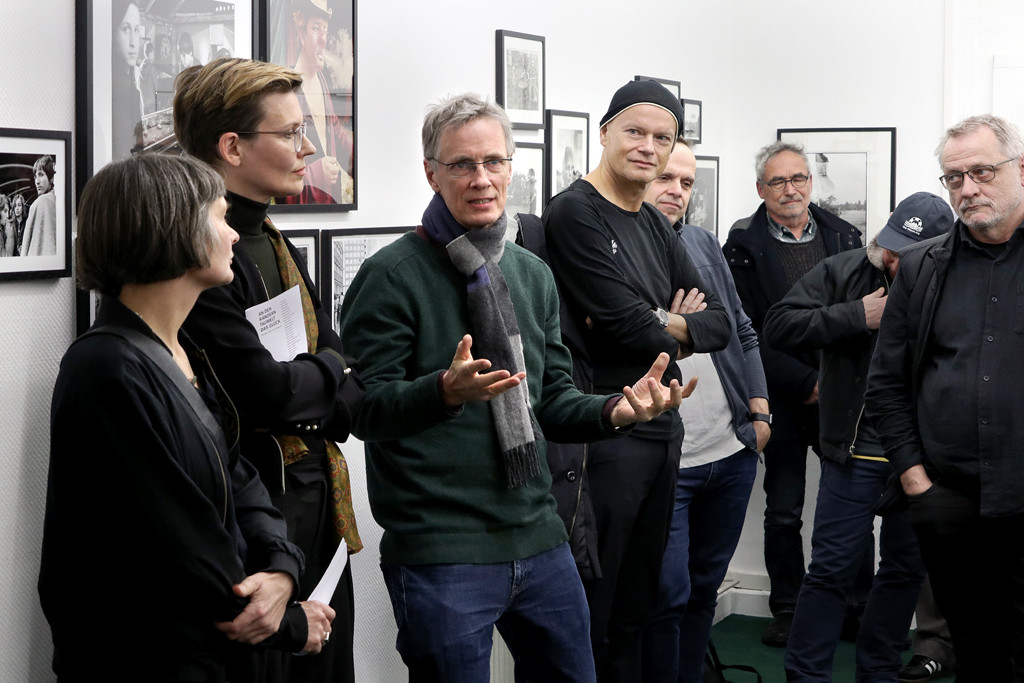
column 853, row 172
column 317, row 38
column 674, row 87
column 567, row 138
column 692, row 119
column 35, row 204
column 128, row 55
column 702, row 210
column 342, row 251
column 519, row 78
column 526, row 190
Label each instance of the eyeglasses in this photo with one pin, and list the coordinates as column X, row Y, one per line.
column 297, row 135
column 979, row 174
column 461, row 169
column 779, row 184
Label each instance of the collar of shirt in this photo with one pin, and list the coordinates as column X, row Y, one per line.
column 783, row 234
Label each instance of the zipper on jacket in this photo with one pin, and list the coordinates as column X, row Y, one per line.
column 579, row 490
column 223, row 478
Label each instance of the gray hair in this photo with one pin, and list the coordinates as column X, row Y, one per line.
column 455, row 111
column 765, row 154
column 124, row 240
column 1008, row 135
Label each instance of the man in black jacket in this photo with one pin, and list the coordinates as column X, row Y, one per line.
column 836, row 308
column 944, row 392
column 786, row 237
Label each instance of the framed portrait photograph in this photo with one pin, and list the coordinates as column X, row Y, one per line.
column 526, row 190
column 692, row 119
column 307, row 242
column 853, row 172
column 519, row 78
column 674, row 87
column 567, row 138
column 702, row 210
column 35, row 204
column 128, row 55
column 342, row 251
column 317, row 38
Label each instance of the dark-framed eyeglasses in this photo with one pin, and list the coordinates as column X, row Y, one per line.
column 979, row 174
column 779, row 184
column 297, row 135
column 461, row 169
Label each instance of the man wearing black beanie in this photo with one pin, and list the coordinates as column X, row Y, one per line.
column 620, row 266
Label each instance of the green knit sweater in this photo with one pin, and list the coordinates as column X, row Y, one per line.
column 435, row 477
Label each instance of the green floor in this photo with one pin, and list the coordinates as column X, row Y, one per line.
column 738, row 641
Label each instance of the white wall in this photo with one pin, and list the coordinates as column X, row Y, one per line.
column 756, row 66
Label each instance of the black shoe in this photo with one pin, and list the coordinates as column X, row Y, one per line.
column 921, row 669
column 776, row 634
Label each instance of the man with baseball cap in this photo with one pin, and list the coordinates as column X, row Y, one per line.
column 620, row 266
column 836, row 309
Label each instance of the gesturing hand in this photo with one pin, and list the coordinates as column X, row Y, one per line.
column 465, row 380
column 649, row 398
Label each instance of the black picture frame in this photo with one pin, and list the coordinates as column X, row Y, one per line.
column 702, row 209
column 279, row 41
column 693, row 120
column 674, row 87
column 853, row 172
column 36, row 241
column 568, row 131
column 307, row 242
column 110, row 125
column 520, row 78
column 527, row 194
column 342, row 252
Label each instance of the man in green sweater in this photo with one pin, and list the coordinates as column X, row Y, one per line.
column 455, row 447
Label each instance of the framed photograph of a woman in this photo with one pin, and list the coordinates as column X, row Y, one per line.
column 567, row 137
column 35, row 204
column 317, row 39
column 519, row 77
column 128, row 54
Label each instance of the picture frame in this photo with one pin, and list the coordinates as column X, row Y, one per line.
column 567, row 138
column 35, row 212
column 342, row 252
column 853, row 172
column 122, row 96
column 674, row 87
column 87, row 304
column 693, row 120
column 520, row 78
column 307, row 242
column 702, row 210
column 526, row 190
column 328, row 66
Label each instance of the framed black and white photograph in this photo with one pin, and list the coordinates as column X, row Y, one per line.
column 702, row 210
column 342, row 251
column 674, row 87
column 692, row 119
column 129, row 53
column 317, row 38
column 307, row 242
column 35, row 204
column 519, row 78
column 87, row 304
column 526, row 189
column 567, row 138
column 853, row 172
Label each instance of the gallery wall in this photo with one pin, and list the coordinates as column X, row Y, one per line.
column 756, row 66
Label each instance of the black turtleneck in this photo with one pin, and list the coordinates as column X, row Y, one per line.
column 246, row 217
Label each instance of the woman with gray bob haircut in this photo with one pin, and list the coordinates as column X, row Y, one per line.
column 148, row 496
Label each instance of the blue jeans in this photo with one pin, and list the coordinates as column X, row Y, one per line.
column 711, row 502
column 843, row 526
column 446, row 614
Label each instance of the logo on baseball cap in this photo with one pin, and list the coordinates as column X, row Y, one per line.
column 920, row 216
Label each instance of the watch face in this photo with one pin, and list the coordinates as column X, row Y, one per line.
column 662, row 316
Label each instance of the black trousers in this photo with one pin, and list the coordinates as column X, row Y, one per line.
column 976, row 567
column 632, row 484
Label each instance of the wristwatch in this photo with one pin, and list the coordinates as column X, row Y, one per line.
column 662, row 315
column 760, row 417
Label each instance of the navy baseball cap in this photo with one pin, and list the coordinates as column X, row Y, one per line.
column 918, row 217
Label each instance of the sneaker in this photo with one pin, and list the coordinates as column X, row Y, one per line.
column 776, row 634
column 921, row 669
